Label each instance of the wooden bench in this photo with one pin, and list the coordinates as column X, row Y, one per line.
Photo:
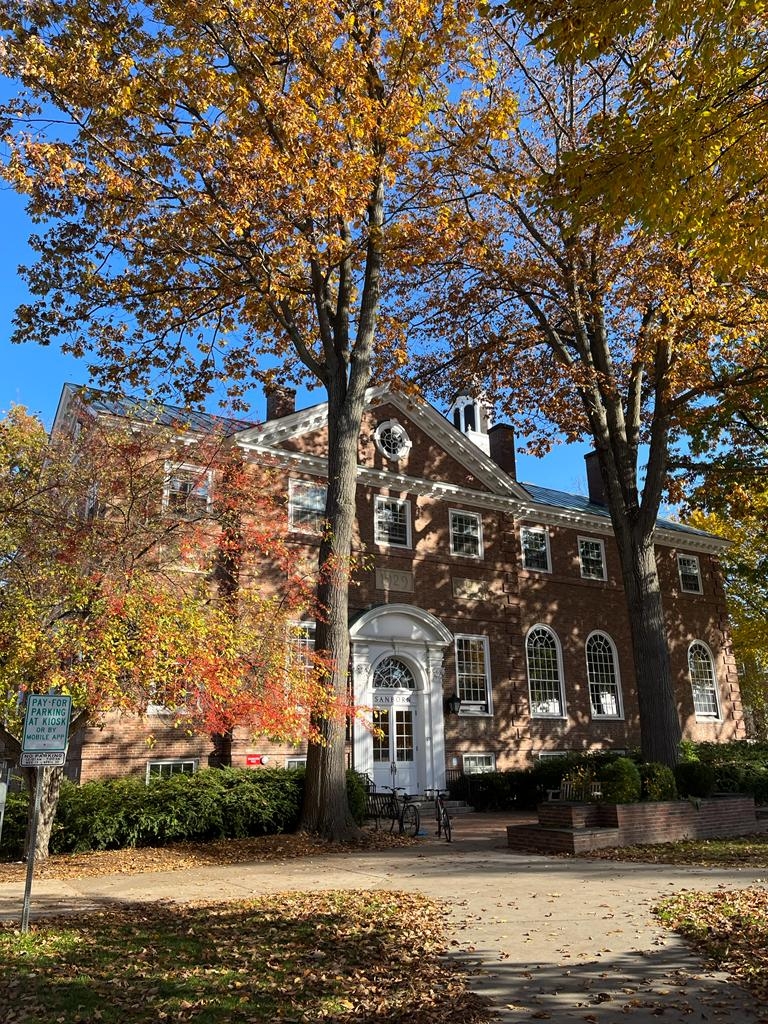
column 576, row 792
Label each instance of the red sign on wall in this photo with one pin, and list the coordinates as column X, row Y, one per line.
column 252, row 760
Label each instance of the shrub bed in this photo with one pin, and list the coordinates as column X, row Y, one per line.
column 214, row 803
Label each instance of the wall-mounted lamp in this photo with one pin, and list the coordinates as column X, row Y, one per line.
column 453, row 704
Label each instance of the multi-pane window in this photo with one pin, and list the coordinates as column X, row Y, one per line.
column 188, row 491
column 690, row 577
column 296, row 762
column 466, row 534
column 535, row 545
column 603, row 677
column 703, row 683
column 380, row 720
column 306, row 506
column 302, row 643
column 403, row 734
column 478, row 764
column 165, row 769
column 392, row 521
column 545, row 678
column 591, row 558
column 473, row 683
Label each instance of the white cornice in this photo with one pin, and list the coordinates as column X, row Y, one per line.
column 523, row 511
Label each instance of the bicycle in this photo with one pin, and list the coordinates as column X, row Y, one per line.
column 442, row 817
column 401, row 811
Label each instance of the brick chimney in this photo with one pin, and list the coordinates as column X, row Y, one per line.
column 281, row 401
column 595, row 487
column 502, row 441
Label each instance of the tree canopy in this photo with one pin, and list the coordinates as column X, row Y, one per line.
column 582, row 324
column 123, row 594
column 684, row 149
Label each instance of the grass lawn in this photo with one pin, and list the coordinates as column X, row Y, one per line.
column 729, row 928
column 291, row 957
column 737, row 852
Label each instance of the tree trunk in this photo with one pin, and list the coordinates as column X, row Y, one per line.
column 325, row 809
column 660, row 730
column 48, row 805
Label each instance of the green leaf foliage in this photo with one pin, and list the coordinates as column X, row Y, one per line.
column 658, row 781
column 621, row 782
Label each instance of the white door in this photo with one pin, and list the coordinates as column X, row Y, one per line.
column 394, row 717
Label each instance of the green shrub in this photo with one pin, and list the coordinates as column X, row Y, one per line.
column 356, row 797
column 657, row 781
column 14, row 827
column 213, row 803
column 695, row 778
column 620, row 780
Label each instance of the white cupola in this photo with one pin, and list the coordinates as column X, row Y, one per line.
column 472, row 416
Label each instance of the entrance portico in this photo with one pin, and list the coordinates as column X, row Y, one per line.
column 397, row 670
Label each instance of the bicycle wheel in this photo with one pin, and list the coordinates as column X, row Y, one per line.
column 410, row 820
column 446, row 822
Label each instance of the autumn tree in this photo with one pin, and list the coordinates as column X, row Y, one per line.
column 121, row 590
column 742, row 518
column 235, row 186
column 581, row 326
column 684, row 147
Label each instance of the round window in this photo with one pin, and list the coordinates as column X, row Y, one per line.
column 392, row 440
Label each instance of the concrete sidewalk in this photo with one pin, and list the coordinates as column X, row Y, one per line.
column 557, row 939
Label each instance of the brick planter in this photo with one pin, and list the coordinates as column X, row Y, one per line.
column 577, row 828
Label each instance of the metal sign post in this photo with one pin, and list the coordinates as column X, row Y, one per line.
column 44, row 744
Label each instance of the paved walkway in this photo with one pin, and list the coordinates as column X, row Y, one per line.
column 551, row 939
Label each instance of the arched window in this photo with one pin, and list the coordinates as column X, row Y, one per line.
column 603, row 677
column 703, row 683
column 391, row 673
column 545, row 676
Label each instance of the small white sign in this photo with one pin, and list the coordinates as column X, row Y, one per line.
column 42, row 759
column 46, row 724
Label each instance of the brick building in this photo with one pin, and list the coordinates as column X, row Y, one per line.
column 488, row 623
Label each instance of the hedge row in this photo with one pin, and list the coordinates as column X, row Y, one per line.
column 214, row 803
column 706, row 768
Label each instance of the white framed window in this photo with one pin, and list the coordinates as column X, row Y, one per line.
column 188, row 490
column 701, row 667
column 534, row 541
column 545, row 673
column 94, row 509
column 306, row 506
column 172, row 766
column 592, row 558
column 690, row 575
column 466, row 530
column 478, row 764
column 473, row 674
column 603, row 677
column 392, row 521
column 296, row 762
column 392, row 440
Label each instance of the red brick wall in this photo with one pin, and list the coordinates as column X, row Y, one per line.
column 516, row 600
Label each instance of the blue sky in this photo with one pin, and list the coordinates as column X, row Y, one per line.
column 32, row 375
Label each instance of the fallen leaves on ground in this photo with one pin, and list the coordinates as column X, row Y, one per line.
column 289, row 958
column 183, row 856
column 735, row 852
column 729, row 927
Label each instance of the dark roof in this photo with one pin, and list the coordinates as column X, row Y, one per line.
column 580, row 503
column 148, row 411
